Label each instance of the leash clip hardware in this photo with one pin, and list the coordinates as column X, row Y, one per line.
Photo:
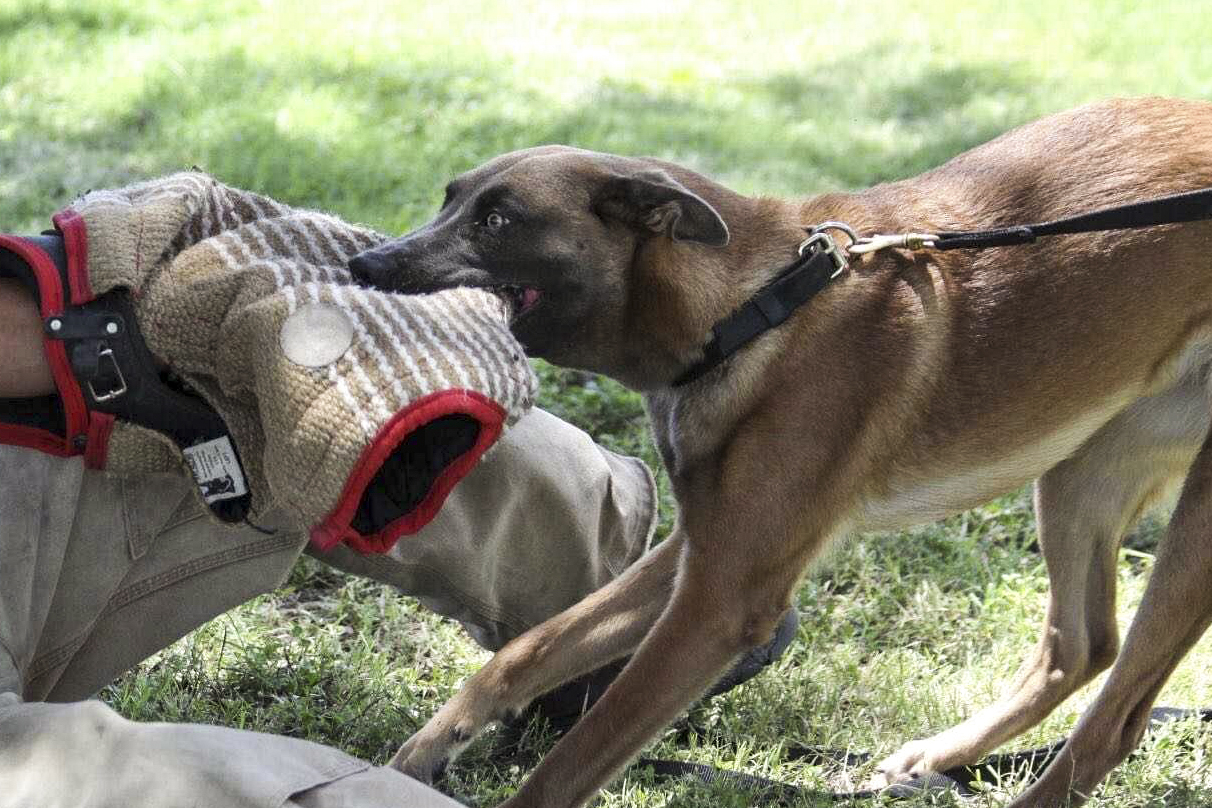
column 818, row 239
column 908, row 241
column 115, row 391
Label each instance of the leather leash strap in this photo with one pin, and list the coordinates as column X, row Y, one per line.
column 1188, row 207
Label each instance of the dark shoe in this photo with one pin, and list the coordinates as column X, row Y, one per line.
column 563, row 706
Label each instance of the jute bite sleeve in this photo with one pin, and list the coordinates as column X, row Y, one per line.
column 357, row 410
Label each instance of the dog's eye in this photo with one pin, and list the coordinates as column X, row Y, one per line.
column 494, row 221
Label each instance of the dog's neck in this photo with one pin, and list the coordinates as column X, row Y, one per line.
column 765, row 236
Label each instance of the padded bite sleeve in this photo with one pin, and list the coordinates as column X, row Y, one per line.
column 356, row 409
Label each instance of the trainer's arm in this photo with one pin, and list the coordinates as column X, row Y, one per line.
column 23, row 368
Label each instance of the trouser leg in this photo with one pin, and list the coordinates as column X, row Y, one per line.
column 94, row 574
column 546, row 518
column 84, row 755
column 121, row 569
column 97, row 573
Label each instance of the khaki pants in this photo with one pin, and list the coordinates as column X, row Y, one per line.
column 97, row 573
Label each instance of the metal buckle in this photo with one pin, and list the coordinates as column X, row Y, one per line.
column 818, row 236
column 120, row 390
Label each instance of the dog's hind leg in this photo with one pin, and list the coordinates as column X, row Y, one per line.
column 1083, row 507
column 1175, row 612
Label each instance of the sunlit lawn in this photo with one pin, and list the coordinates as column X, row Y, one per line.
column 367, row 109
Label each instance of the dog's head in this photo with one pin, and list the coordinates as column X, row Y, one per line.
column 558, row 232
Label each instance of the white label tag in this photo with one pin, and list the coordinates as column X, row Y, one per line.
column 216, row 470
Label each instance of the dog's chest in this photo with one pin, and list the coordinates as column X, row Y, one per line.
column 688, row 428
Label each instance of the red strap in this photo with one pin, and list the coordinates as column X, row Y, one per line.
column 33, row 438
column 80, row 428
column 100, row 425
column 75, row 239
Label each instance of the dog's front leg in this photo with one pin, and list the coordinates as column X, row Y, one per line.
column 731, row 590
column 604, row 626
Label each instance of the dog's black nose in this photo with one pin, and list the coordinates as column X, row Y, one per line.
column 372, row 268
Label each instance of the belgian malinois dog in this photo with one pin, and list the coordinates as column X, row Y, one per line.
column 914, row 385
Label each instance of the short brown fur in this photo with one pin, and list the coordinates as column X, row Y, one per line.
column 915, row 386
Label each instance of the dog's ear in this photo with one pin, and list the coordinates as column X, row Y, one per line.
column 654, row 201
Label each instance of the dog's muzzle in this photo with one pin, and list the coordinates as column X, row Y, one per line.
column 373, row 268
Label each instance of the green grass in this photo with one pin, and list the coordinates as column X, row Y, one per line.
column 366, row 112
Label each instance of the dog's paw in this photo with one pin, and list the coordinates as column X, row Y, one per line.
column 435, row 746
column 911, row 761
column 427, row 753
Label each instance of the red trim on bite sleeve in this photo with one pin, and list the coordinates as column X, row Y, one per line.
column 336, row 528
column 30, row 437
column 100, row 425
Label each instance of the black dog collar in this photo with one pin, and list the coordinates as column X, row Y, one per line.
column 819, row 261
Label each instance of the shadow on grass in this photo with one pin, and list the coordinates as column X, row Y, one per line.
column 387, row 136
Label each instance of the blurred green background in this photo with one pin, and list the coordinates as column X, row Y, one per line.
column 366, row 110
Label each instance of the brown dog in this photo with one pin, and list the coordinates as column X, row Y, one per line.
column 913, row 386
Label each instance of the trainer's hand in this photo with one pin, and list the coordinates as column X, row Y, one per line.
column 24, row 371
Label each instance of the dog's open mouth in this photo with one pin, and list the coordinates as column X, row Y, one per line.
column 520, row 299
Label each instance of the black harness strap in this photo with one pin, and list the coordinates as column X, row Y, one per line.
column 118, row 375
column 1188, row 207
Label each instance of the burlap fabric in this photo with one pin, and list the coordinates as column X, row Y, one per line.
column 220, row 277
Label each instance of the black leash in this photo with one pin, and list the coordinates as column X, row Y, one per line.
column 1030, row 763
column 818, row 261
column 1176, row 209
